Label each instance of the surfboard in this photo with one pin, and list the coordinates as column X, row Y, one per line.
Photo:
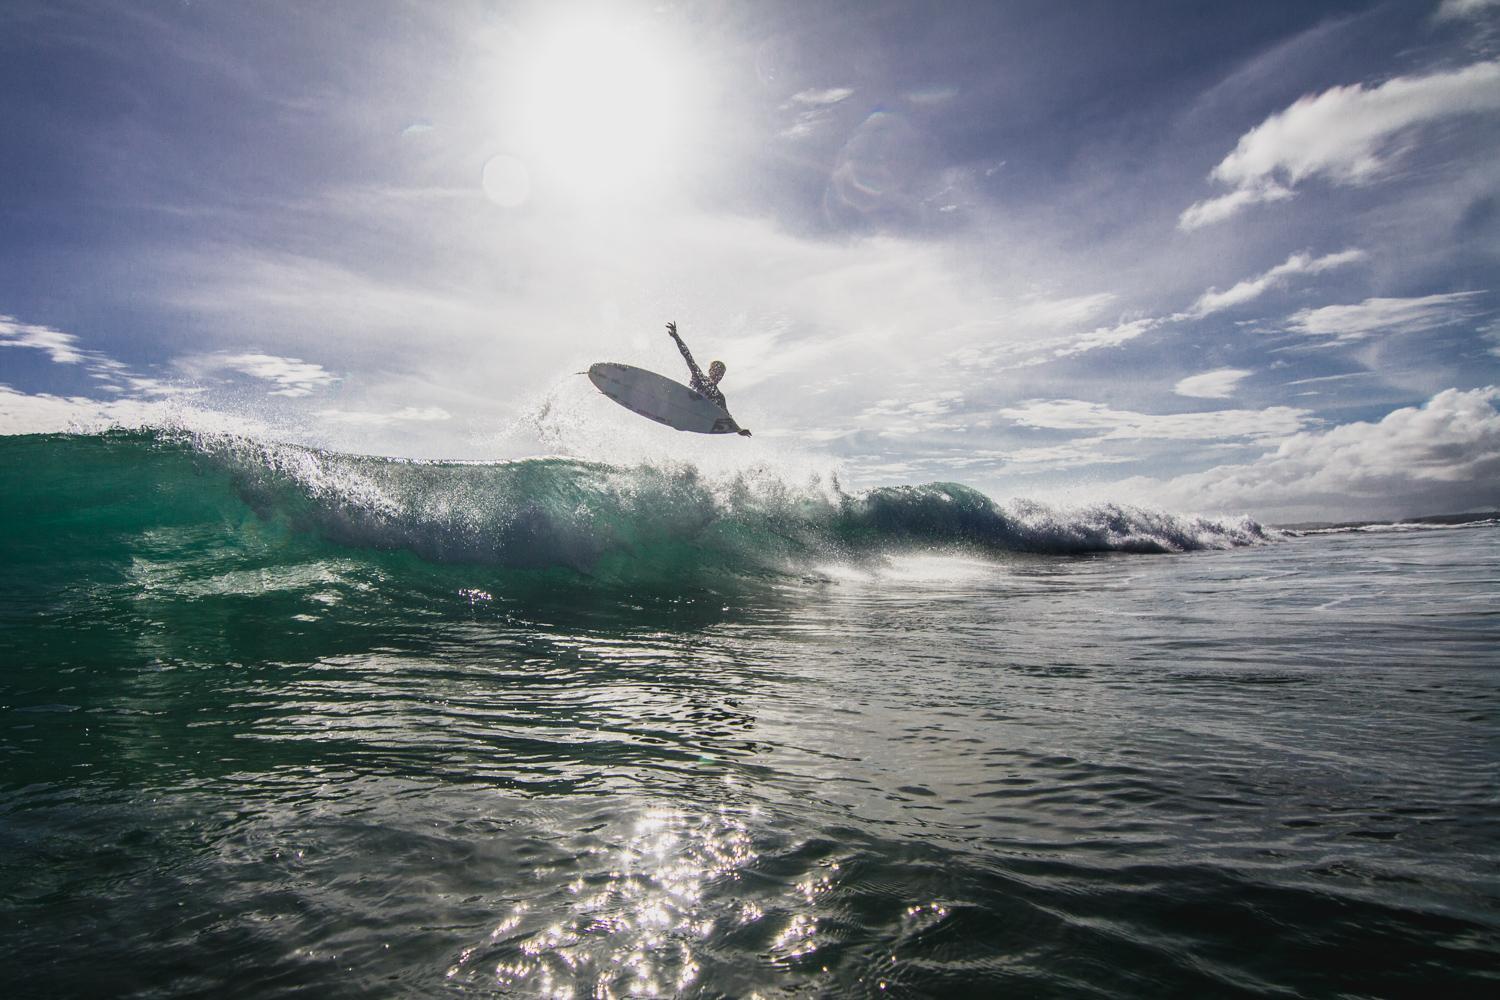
column 658, row 398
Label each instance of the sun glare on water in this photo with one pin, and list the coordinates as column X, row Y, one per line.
column 599, row 107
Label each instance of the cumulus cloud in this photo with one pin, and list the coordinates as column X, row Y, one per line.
column 1268, row 424
column 1384, row 316
column 292, row 376
column 1439, row 457
column 1213, row 300
column 1347, row 135
column 1218, row 384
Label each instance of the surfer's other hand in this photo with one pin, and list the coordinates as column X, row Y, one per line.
column 671, row 329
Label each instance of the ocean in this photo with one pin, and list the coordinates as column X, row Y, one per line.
column 281, row 721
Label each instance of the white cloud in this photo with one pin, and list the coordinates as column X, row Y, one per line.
column 1457, row 10
column 1372, row 316
column 61, row 347
column 813, row 108
column 1107, row 336
column 43, row 413
column 1049, row 314
column 1442, row 456
column 1213, row 300
column 1347, row 135
column 900, row 417
column 1218, row 384
column 1126, row 425
column 1212, row 210
column 293, row 376
column 823, row 98
column 1491, row 333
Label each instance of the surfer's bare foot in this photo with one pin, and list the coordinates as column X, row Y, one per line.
column 744, row 433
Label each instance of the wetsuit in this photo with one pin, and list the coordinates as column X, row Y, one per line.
column 700, row 382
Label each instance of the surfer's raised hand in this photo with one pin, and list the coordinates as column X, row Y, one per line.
column 672, row 330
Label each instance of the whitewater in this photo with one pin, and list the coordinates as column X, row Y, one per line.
column 279, row 718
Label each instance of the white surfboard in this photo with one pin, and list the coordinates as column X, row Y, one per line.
column 659, row 398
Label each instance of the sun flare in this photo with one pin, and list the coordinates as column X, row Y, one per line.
column 601, row 107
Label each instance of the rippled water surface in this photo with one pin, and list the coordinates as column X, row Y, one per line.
column 1262, row 771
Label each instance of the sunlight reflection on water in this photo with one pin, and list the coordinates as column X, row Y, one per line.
column 633, row 920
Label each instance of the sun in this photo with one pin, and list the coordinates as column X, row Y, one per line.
column 601, row 107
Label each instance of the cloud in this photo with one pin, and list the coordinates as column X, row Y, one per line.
column 1491, row 333
column 293, row 376
column 43, row 413
column 1124, row 425
column 1347, row 135
column 1213, row 300
column 1218, row 384
column 1357, row 322
column 813, row 108
column 823, row 98
column 900, row 418
column 1107, row 336
column 1441, row 456
column 1458, row 10
column 62, row 347
column 1212, row 210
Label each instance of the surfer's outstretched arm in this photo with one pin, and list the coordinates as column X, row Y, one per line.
column 687, row 356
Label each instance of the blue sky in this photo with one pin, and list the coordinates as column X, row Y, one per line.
column 1219, row 258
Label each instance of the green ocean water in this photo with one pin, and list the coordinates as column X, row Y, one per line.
column 275, row 721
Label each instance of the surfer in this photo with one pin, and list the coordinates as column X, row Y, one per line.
column 707, row 387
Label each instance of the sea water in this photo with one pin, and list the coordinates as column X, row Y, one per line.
column 277, row 721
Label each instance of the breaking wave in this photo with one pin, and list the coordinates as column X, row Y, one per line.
column 620, row 522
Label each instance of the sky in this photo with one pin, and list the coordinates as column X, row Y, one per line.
column 1216, row 258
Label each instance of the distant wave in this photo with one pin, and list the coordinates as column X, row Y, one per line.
column 622, row 522
column 1397, row 527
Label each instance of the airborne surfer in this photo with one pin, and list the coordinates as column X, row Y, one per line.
column 706, row 386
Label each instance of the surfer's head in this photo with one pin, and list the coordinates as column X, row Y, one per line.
column 716, row 371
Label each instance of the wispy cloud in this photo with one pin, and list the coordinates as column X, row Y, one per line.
column 823, row 98
column 1125, row 425
column 1461, row 10
column 1217, row 384
column 1212, row 210
column 292, row 376
column 1384, row 316
column 1107, row 336
column 1213, row 300
column 1347, row 135
column 61, row 347
column 812, row 108
column 66, row 349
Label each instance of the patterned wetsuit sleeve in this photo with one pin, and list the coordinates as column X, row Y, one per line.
column 698, row 380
